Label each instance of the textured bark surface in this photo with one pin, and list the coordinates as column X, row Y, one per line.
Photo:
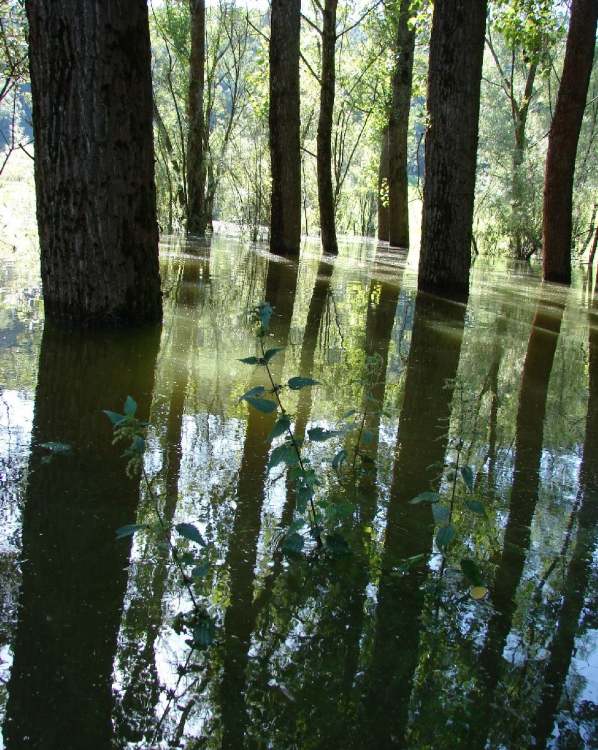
column 383, row 189
column 398, row 129
column 94, row 160
column 285, row 154
column 324, row 137
column 455, row 70
column 563, row 138
column 197, row 217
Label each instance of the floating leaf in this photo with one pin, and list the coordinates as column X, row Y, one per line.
column 293, row 544
column 339, row 459
column 261, row 404
column 445, row 536
column 201, row 570
column 129, row 530
column 282, row 425
column 130, row 407
column 476, row 507
column 441, row 513
column 296, row 383
column 272, row 352
column 319, row 435
column 467, row 474
column 250, row 360
column 425, row 497
column 259, row 390
column 114, row 417
column 191, row 532
column 203, row 633
column 478, row 592
column 284, row 453
column 471, row 571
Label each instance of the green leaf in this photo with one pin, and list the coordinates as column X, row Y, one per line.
column 261, row 404
column 259, row 390
column 339, row 459
column 297, row 524
column 129, row 530
column 201, row 570
column 337, row 544
column 58, row 448
column 114, row 417
column 476, row 507
column 445, row 536
column 409, row 562
column 203, row 633
column 281, row 426
column 293, row 544
column 297, row 383
column 272, row 352
column 471, row 572
column 130, row 407
column 467, row 474
column 319, row 435
column 283, row 454
column 441, row 513
column 191, row 532
column 425, row 497
column 250, row 360
column 304, row 495
column 264, row 312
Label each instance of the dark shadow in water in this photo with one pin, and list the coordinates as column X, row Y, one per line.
column 420, row 451
column 529, row 437
column 74, row 569
column 579, row 570
column 240, row 615
column 135, row 715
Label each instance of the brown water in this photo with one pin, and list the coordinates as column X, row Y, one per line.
column 376, row 643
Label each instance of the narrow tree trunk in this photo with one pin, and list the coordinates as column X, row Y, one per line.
column 324, row 137
column 562, row 140
column 94, row 167
column 454, row 77
column 398, row 130
column 196, row 167
column 285, row 153
column 383, row 228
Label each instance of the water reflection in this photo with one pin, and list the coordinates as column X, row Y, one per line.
column 358, row 650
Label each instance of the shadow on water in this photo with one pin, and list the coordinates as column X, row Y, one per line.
column 322, row 650
column 74, row 574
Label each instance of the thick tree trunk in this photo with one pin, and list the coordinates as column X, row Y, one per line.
column 197, row 217
column 383, row 230
column 285, row 152
column 94, row 163
column 398, row 130
column 324, row 137
column 562, row 140
column 454, row 77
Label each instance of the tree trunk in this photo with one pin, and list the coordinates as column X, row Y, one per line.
column 324, row 137
column 94, row 167
column 398, row 129
column 562, row 140
column 197, row 218
column 454, row 77
column 383, row 228
column 285, row 152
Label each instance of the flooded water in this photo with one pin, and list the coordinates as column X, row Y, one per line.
column 467, row 622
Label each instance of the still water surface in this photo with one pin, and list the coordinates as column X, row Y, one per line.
column 380, row 645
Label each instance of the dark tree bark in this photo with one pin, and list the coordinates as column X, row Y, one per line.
column 455, row 70
column 94, row 163
column 197, row 217
column 398, row 129
column 324, row 136
column 383, row 228
column 285, row 153
column 563, row 138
